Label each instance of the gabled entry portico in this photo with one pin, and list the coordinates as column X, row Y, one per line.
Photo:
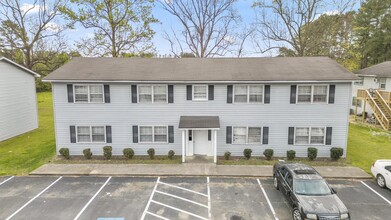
column 199, row 136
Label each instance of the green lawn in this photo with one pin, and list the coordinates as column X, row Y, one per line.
column 365, row 145
column 26, row 152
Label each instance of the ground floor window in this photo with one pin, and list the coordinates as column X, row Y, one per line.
column 309, row 135
column 88, row 134
column 247, row 135
column 358, row 101
column 153, row 134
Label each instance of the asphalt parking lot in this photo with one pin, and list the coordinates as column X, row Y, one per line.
column 149, row 198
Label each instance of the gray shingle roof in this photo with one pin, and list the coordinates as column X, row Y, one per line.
column 199, row 122
column 381, row 69
column 202, row 69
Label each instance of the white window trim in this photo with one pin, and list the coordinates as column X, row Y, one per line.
column 153, row 134
column 88, row 93
column 90, row 142
column 312, row 94
column 152, row 93
column 248, row 94
column 309, row 136
column 247, row 143
column 207, row 93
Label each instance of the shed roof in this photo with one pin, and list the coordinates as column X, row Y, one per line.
column 20, row 67
column 381, row 69
column 193, row 122
column 278, row 69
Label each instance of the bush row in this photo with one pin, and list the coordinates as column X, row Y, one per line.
column 108, row 152
column 312, row 153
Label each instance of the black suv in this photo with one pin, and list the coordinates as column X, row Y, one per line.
column 308, row 193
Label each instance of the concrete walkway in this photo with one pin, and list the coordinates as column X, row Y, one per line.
column 185, row 170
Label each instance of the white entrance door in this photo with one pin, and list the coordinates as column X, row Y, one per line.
column 201, row 144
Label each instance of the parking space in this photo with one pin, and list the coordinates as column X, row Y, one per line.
column 187, row 198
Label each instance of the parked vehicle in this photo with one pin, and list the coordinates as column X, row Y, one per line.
column 308, row 193
column 381, row 170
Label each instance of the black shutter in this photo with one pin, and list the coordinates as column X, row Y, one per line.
column 107, row 93
column 73, row 133
column 265, row 136
column 329, row 133
column 134, row 93
column 267, row 94
column 170, row 134
column 170, row 93
column 229, row 93
column 229, row 135
column 293, row 94
column 70, row 93
column 211, row 91
column 189, row 94
column 291, row 135
column 209, row 135
column 135, row 134
column 331, row 94
column 108, row 134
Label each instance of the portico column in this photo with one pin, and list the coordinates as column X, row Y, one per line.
column 183, row 145
column 215, row 146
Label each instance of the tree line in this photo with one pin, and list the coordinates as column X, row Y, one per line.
column 35, row 35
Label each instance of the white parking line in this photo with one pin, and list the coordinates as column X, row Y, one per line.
column 6, row 180
column 88, row 203
column 179, row 210
column 17, row 211
column 185, row 189
column 150, row 199
column 376, row 193
column 209, row 201
column 267, row 199
column 157, row 216
column 181, row 198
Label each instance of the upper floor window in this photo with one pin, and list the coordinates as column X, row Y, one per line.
column 247, row 135
column 359, row 82
column 200, row 92
column 382, row 83
column 248, row 93
column 87, row 134
column 89, row 93
column 310, row 135
column 152, row 93
column 153, row 134
column 312, row 93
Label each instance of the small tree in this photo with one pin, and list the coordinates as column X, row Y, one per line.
column 64, row 152
column 151, row 153
column 171, row 154
column 291, row 154
column 227, row 155
column 128, row 153
column 87, row 153
column 268, row 154
column 312, row 153
column 336, row 153
column 107, row 152
column 247, row 153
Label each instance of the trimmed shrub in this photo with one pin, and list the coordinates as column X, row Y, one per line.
column 227, row 155
column 151, row 153
column 312, row 153
column 291, row 154
column 268, row 153
column 64, row 152
column 336, row 153
column 247, row 153
column 171, row 154
column 128, row 153
column 107, row 152
column 87, row 153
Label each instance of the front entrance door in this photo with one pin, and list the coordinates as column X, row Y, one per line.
column 201, row 143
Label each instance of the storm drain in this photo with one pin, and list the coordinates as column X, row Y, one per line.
column 236, row 217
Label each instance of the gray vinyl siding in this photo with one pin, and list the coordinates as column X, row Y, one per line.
column 18, row 103
column 279, row 115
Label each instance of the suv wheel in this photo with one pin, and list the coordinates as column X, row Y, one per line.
column 296, row 215
column 275, row 183
column 381, row 181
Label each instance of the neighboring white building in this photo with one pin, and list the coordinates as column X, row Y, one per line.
column 374, row 77
column 18, row 102
column 202, row 106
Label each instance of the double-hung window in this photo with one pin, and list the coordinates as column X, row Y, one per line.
column 200, row 92
column 91, row 134
column 312, row 93
column 247, row 135
column 309, row 135
column 152, row 93
column 153, row 134
column 248, row 94
column 88, row 93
